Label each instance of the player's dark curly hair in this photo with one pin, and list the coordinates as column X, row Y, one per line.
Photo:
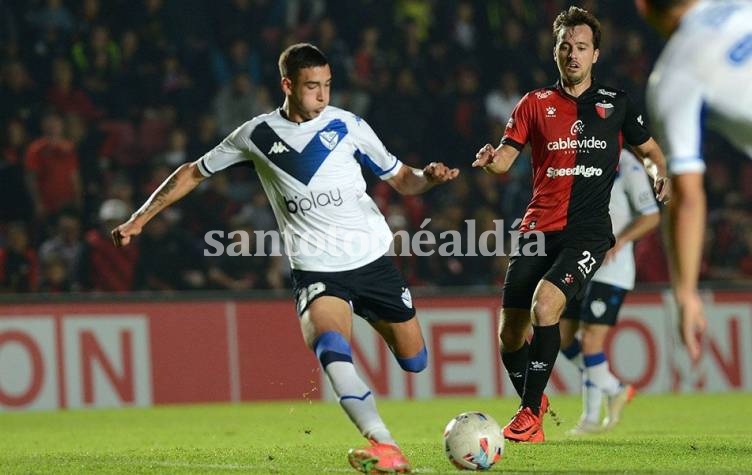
column 577, row 16
column 300, row 56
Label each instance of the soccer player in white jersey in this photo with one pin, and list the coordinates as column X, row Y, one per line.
column 308, row 156
column 702, row 78
column 634, row 213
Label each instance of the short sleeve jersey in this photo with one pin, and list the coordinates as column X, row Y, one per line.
column 703, row 78
column 575, row 144
column 311, row 172
column 632, row 196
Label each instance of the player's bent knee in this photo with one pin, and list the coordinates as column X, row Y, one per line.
column 330, row 347
column 415, row 364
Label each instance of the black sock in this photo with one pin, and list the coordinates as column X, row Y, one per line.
column 544, row 347
column 516, row 364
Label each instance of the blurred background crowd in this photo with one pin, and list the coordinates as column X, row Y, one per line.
column 101, row 99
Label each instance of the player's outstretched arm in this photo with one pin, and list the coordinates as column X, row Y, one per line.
column 413, row 181
column 684, row 233
column 655, row 165
column 180, row 183
column 496, row 160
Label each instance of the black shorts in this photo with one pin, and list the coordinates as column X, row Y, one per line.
column 569, row 263
column 600, row 304
column 376, row 291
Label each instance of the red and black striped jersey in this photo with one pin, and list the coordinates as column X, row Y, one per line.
column 575, row 142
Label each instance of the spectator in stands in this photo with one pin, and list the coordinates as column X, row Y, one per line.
column 246, row 264
column 15, row 201
column 65, row 247
column 18, row 261
column 54, row 276
column 97, row 61
column 18, row 94
column 239, row 100
column 501, row 100
column 52, row 169
column 66, row 96
column 168, row 259
column 104, row 268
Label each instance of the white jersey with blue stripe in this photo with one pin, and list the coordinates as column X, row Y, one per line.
column 702, row 78
column 631, row 196
column 311, row 172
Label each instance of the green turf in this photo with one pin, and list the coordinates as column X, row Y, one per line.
column 668, row 434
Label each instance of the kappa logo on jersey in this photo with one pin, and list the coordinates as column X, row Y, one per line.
column 604, row 109
column 329, row 138
column 277, row 147
column 301, row 165
column 578, row 127
column 598, row 308
column 407, row 299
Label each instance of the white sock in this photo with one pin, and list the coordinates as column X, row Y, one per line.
column 573, row 353
column 357, row 401
column 592, row 398
column 603, row 378
column 578, row 361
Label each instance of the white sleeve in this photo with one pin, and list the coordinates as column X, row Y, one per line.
column 228, row 152
column 637, row 184
column 676, row 111
column 372, row 153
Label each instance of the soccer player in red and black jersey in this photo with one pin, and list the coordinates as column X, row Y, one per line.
column 576, row 129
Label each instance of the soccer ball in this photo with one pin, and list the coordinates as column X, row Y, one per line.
column 473, row 441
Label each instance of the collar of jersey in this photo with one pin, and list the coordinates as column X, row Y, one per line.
column 307, row 123
column 586, row 93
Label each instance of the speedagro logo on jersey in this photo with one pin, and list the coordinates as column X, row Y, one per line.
column 313, row 200
column 579, row 170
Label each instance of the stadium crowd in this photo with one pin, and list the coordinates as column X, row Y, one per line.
column 100, row 99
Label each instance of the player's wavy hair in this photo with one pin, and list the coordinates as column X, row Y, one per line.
column 300, row 56
column 577, row 16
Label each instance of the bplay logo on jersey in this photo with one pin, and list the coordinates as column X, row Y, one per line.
column 313, row 200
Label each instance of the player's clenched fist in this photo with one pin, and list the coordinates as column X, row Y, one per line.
column 485, row 156
column 121, row 235
column 437, row 172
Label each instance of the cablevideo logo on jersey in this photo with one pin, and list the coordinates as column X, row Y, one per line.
column 313, row 200
column 577, row 144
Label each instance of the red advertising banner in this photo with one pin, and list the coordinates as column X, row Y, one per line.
column 109, row 354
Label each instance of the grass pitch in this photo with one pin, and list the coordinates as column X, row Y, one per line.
column 659, row 434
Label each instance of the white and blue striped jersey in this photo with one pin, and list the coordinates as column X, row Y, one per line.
column 631, row 196
column 311, row 173
column 702, row 78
